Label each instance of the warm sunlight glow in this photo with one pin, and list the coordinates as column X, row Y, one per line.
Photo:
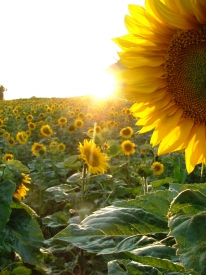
column 103, row 86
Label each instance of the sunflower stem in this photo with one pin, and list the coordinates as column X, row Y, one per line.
column 84, row 173
column 145, row 186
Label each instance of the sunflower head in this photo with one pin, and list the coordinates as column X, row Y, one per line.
column 78, row 123
column 61, row 147
column 46, row 131
column 21, row 137
column 7, row 157
column 162, row 68
column 38, row 149
column 128, row 147
column 62, row 120
column 92, row 156
column 157, row 167
column 71, row 128
column 126, row 132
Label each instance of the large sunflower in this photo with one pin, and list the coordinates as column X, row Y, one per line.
column 95, row 160
column 165, row 59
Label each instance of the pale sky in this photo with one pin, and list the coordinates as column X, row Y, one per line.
column 58, row 48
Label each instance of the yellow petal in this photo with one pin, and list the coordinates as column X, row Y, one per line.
column 168, row 16
column 176, row 138
column 138, row 60
column 165, row 126
column 195, row 149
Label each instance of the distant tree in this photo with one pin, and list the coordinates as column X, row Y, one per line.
column 2, row 90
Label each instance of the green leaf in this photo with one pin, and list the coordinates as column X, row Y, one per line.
column 75, row 178
column 27, row 236
column 188, row 202
column 181, row 187
column 114, row 148
column 158, row 183
column 157, row 202
column 103, row 230
column 7, row 189
column 56, row 220
column 187, row 224
column 126, row 267
column 21, row 270
column 18, row 166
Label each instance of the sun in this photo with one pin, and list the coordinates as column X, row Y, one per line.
column 103, row 85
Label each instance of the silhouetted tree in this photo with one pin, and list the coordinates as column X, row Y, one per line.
column 2, row 90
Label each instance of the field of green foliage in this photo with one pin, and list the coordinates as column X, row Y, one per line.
column 81, row 192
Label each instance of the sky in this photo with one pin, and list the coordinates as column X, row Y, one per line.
column 59, row 48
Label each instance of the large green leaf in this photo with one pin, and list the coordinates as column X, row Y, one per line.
column 187, row 224
column 26, row 235
column 7, row 189
column 104, row 229
column 162, row 264
column 126, row 267
column 181, row 187
column 157, row 202
column 18, row 166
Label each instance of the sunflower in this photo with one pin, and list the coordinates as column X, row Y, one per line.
column 21, row 137
column 128, row 147
column 7, row 135
column 1, row 122
column 31, row 126
column 164, row 56
column 89, row 116
column 95, row 160
column 157, row 167
column 71, row 128
column 81, row 115
column 127, row 132
column 38, row 149
column 53, row 146
column 11, row 141
column 29, row 118
column 62, row 120
column 21, row 190
column 7, row 157
column 78, row 123
column 61, row 147
column 46, row 131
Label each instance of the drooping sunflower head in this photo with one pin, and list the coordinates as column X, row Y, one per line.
column 126, row 132
column 46, row 131
column 53, row 146
column 164, row 59
column 22, row 180
column 96, row 161
column 128, row 147
column 21, row 137
column 38, row 149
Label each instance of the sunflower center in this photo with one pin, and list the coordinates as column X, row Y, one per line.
column 93, row 159
column 186, row 72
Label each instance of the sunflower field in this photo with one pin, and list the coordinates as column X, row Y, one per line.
column 82, row 192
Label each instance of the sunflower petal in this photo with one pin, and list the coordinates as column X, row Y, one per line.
column 168, row 123
column 177, row 20
column 195, row 148
column 176, row 137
